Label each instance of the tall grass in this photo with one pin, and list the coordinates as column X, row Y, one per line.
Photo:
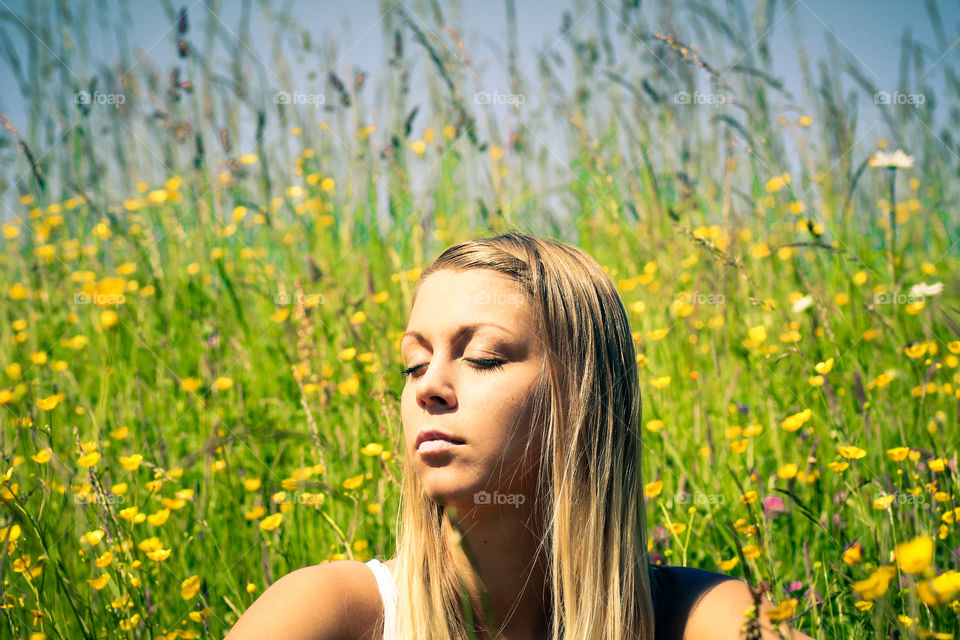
column 215, row 279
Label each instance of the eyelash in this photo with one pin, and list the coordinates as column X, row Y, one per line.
column 488, row 364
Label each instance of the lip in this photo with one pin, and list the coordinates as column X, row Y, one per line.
column 435, row 434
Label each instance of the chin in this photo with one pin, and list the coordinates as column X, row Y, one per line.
column 446, row 490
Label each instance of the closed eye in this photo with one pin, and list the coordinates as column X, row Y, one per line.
column 484, row 364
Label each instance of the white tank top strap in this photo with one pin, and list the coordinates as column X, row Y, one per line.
column 388, row 594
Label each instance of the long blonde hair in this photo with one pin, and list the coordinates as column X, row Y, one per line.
column 590, row 488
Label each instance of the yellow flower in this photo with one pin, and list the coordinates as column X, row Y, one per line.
column 50, row 402
column 938, row 464
column 129, row 513
column 157, row 196
column 839, row 466
column 851, row 452
column 883, row 502
column 660, row 383
column 89, row 459
column 10, row 534
column 418, row 146
column 853, row 555
column 657, row 334
column 749, row 497
column 787, row 471
column 898, row 454
column 42, row 457
column 150, row 544
column 248, row 158
column 373, row 450
column 751, row 551
column 280, row 315
column 739, row 446
column 354, row 482
column 952, row 516
column 916, row 350
column 654, row 425
column 349, row 386
column 132, row 462
column 653, row 489
column 758, row 333
column 914, row 556
column 14, row 370
column 223, row 383
column 797, row 420
column 727, row 565
column 93, row 537
column 190, row 384
column 783, row 610
column 109, row 318
column 99, row 583
column 328, row 185
column 105, row 559
column 876, row 585
column 255, row 513
column 158, row 555
column 823, row 368
column 251, row 484
column 159, row 517
column 189, row 587
column 676, row 527
column 939, row 590
column 776, row 183
column 271, row 522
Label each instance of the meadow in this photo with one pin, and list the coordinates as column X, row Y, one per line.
column 206, row 265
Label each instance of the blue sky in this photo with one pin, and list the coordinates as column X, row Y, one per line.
column 869, row 32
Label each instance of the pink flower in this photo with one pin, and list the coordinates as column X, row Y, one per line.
column 773, row 506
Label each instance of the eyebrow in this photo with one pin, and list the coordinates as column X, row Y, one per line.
column 464, row 329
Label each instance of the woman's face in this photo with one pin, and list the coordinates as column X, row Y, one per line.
column 454, row 388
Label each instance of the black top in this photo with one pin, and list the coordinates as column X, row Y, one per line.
column 675, row 592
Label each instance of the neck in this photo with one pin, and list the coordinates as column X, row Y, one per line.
column 503, row 544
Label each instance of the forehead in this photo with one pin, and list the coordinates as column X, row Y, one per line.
column 449, row 299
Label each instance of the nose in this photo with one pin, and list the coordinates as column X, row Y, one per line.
column 434, row 388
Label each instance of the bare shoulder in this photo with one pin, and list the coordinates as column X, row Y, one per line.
column 721, row 610
column 330, row 601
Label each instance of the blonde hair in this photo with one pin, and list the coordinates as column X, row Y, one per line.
column 590, row 486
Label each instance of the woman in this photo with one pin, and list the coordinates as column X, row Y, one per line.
column 522, row 506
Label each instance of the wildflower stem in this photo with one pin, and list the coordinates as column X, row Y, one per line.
column 27, row 517
column 891, row 175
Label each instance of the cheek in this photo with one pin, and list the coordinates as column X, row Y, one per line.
column 408, row 402
column 507, row 421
